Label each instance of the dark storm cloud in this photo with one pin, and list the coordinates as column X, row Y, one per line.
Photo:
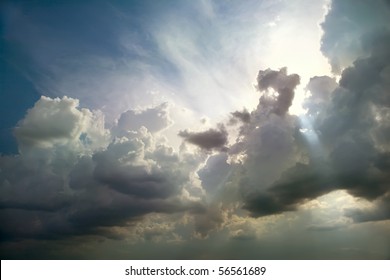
column 207, row 140
column 345, row 25
column 354, row 164
column 18, row 224
column 244, row 116
column 349, row 124
column 24, row 186
column 119, row 185
column 381, row 211
column 361, row 103
column 304, row 182
column 299, row 183
column 283, row 84
column 47, row 211
column 265, row 145
column 134, row 179
column 110, row 208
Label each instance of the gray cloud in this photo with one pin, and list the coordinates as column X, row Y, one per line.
column 154, row 119
column 215, row 173
column 283, row 84
column 265, row 147
column 348, row 125
column 323, row 228
column 346, row 24
column 304, row 182
column 210, row 220
column 137, row 177
column 320, row 88
column 207, row 140
column 243, row 116
column 381, row 211
column 298, row 184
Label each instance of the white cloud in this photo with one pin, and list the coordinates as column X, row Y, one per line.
column 60, row 122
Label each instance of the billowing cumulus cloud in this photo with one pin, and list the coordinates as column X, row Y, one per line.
column 58, row 121
column 154, row 119
column 63, row 184
column 346, row 24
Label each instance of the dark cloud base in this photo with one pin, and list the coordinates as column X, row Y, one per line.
column 334, row 245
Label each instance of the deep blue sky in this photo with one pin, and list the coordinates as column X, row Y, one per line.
column 38, row 35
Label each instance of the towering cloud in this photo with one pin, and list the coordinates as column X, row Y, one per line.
column 283, row 84
column 348, row 123
column 344, row 122
column 345, row 27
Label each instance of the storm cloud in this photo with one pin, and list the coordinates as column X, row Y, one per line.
column 348, row 121
column 207, row 140
column 345, row 27
column 243, row 116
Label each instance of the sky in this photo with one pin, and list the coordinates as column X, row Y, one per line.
column 203, row 129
